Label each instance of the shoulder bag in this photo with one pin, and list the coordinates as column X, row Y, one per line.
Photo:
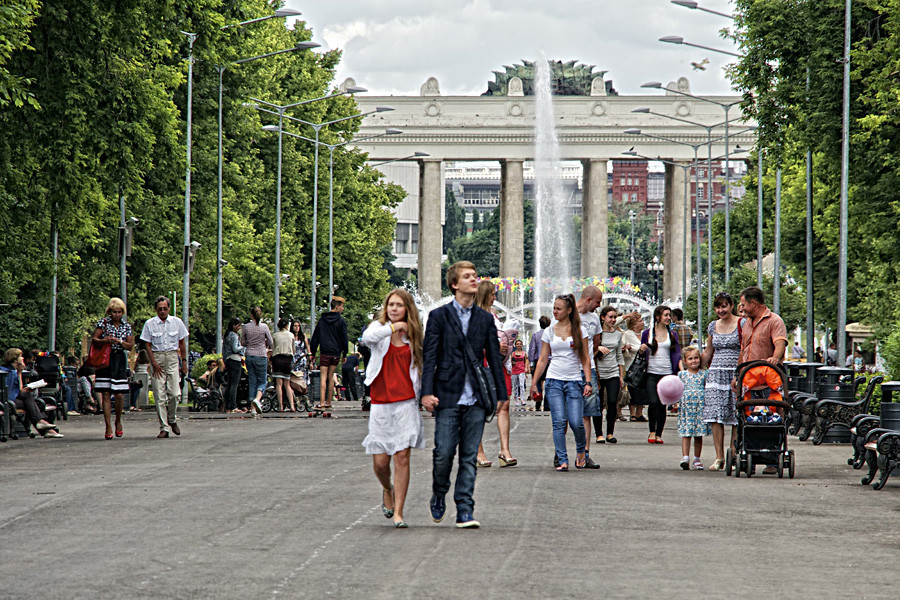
column 98, row 357
column 636, row 375
column 484, row 377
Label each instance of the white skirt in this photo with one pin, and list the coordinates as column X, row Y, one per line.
column 394, row 427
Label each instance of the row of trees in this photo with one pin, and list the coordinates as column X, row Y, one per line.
column 92, row 105
column 791, row 77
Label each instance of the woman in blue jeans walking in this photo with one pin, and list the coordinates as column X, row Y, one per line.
column 257, row 341
column 565, row 385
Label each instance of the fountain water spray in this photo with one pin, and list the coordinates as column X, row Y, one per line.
column 554, row 231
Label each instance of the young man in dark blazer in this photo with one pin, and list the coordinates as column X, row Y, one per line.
column 451, row 392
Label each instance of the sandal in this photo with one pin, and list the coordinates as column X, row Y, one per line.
column 631, row 418
column 388, row 512
column 483, row 463
column 583, row 462
column 698, row 466
column 563, row 467
column 717, row 465
column 507, row 462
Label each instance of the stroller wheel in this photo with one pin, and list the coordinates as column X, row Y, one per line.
column 791, row 464
column 750, row 467
column 780, row 466
column 729, row 462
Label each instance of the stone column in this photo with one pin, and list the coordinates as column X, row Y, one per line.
column 594, row 219
column 430, row 231
column 512, row 219
column 674, row 233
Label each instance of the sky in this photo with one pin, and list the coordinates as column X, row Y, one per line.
column 392, row 46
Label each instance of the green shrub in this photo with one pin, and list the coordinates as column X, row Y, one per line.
column 890, row 350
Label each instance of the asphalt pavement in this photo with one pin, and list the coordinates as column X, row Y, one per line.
column 290, row 508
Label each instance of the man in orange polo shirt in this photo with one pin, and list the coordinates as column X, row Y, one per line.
column 763, row 333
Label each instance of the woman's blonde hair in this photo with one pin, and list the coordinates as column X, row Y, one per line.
column 632, row 319
column 483, row 294
column 11, row 355
column 414, row 325
column 115, row 303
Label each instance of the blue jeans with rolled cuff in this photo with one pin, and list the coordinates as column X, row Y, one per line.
column 566, row 400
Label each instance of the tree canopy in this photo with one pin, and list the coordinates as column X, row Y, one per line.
column 111, row 83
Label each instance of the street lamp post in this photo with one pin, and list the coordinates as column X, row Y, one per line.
column 709, row 173
column 655, row 268
column 687, row 208
column 186, row 285
column 726, row 107
column 413, row 155
column 845, row 183
column 317, row 127
column 220, row 262
column 331, row 149
column 696, row 6
column 631, row 218
column 759, row 218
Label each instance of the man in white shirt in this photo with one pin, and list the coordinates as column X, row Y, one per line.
column 591, row 297
column 165, row 340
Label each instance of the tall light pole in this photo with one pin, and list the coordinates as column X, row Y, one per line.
column 186, row 286
column 776, row 284
column 696, row 6
column 709, row 173
column 810, row 308
column 655, row 268
column 845, row 183
column 331, row 149
column 631, row 218
column 416, row 154
column 687, row 220
column 317, row 127
column 220, row 262
column 759, row 217
column 726, row 107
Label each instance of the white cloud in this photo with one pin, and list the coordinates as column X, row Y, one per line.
column 392, row 46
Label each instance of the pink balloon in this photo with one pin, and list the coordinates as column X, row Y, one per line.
column 670, row 389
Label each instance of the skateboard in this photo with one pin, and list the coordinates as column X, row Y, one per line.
column 320, row 412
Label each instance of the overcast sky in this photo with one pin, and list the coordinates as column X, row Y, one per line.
column 393, row 46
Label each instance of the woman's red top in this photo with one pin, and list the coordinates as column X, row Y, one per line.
column 518, row 364
column 393, row 383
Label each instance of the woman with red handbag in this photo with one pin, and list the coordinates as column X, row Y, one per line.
column 114, row 332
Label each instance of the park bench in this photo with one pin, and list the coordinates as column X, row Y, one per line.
column 829, row 413
column 860, row 427
column 808, row 406
column 881, row 445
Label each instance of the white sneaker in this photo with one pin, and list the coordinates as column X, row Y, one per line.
column 53, row 434
column 258, row 406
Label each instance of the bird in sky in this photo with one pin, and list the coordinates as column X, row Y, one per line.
column 700, row 66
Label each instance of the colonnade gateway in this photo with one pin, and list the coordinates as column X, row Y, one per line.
column 592, row 129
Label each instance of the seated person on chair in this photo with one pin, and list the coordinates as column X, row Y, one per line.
column 24, row 397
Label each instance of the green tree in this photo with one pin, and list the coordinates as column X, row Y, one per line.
column 15, row 24
column 454, row 219
column 113, row 88
column 784, row 43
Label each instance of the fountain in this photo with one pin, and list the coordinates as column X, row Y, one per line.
column 554, row 231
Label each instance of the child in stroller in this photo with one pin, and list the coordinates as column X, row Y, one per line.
column 761, row 437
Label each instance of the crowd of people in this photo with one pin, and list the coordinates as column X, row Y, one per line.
column 465, row 367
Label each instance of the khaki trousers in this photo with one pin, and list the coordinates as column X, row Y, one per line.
column 166, row 389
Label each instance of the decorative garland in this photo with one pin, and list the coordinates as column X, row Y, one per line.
column 610, row 285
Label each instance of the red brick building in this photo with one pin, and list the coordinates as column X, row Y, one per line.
column 629, row 182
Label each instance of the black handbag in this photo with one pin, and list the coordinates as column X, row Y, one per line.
column 636, row 375
column 484, row 377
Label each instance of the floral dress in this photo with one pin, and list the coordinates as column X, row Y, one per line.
column 690, row 407
column 720, row 399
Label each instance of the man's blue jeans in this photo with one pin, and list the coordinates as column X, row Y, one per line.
column 457, row 426
column 566, row 404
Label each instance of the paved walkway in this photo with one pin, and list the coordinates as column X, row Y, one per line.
column 290, row 508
